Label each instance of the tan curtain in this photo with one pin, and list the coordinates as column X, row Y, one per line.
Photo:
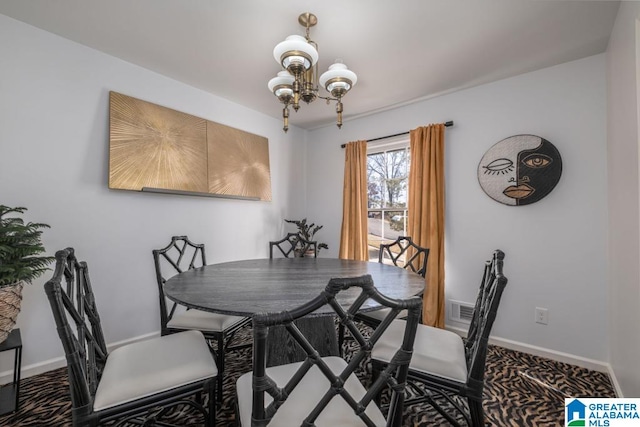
column 426, row 213
column 353, row 237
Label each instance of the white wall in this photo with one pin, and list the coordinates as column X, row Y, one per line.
column 54, row 160
column 556, row 249
column 624, row 249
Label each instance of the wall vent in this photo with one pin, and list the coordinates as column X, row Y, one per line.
column 461, row 311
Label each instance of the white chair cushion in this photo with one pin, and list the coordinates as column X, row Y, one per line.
column 436, row 351
column 203, row 321
column 306, row 396
column 148, row 367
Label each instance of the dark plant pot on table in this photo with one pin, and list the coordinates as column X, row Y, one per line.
column 309, row 253
column 20, row 263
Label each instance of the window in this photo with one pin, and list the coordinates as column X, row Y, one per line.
column 387, row 179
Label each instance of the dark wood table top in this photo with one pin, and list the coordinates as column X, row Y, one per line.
column 246, row 287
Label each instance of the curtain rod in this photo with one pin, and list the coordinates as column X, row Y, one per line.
column 447, row 124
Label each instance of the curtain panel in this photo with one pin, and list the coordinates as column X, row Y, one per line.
column 426, row 214
column 353, row 236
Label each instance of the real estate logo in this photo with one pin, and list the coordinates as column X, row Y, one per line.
column 594, row 412
column 575, row 413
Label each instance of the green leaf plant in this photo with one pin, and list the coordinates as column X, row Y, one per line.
column 20, row 248
column 307, row 231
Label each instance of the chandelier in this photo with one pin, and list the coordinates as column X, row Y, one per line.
column 298, row 80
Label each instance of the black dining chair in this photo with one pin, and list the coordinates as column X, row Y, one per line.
column 444, row 364
column 138, row 382
column 294, row 246
column 325, row 390
column 181, row 254
column 402, row 252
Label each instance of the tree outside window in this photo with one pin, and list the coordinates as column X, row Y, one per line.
column 387, row 178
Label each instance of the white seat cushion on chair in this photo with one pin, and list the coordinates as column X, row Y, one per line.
column 148, row 367
column 306, row 396
column 203, row 321
column 436, row 351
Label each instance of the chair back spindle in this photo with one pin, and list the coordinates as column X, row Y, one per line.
column 484, row 315
column 403, row 252
column 78, row 323
column 394, row 375
column 181, row 254
column 293, row 246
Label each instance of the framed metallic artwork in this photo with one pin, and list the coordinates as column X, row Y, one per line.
column 239, row 168
column 520, row 170
column 154, row 148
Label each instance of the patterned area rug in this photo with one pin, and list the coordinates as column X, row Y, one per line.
column 521, row 390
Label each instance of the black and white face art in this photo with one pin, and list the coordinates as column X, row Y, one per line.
column 520, row 170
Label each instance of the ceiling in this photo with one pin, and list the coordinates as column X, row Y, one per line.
column 402, row 50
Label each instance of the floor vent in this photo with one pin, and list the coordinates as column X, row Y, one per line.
column 461, row 311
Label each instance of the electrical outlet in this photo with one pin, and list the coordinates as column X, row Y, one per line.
column 542, row 316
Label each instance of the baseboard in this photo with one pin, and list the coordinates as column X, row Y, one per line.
column 59, row 362
column 614, row 381
column 572, row 359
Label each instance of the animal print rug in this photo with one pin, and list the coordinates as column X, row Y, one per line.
column 521, row 390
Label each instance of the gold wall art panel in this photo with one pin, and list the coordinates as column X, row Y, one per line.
column 154, row 148
column 241, row 168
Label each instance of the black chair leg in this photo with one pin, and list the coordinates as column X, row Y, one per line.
column 220, row 366
column 476, row 412
column 212, row 403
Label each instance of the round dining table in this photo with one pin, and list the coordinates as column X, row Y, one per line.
column 246, row 287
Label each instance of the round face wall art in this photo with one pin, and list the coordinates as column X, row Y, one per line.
column 520, row 170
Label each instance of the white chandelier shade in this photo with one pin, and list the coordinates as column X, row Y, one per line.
column 338, row 78
column 295, row 50
column 282, row 85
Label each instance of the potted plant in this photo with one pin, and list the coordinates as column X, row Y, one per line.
column 307, row 232
column 20, row 262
